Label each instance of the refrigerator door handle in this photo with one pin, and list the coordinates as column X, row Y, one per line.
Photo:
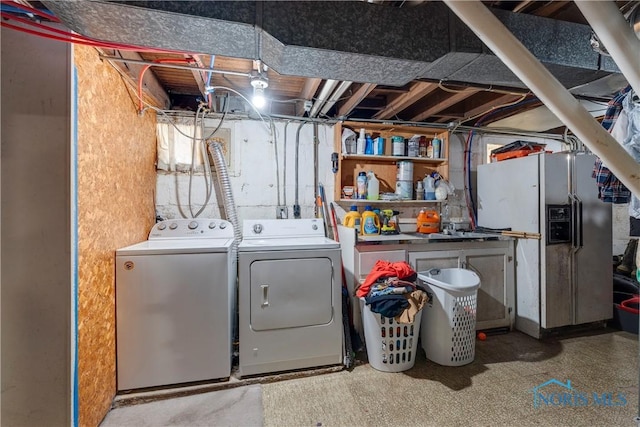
column 577, row 240
column 579, row 226
column 574, row 222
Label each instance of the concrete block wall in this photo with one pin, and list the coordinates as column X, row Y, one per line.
column 253, row 173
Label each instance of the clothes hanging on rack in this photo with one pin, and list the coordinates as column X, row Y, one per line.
column 610, row 188
column 627, row 132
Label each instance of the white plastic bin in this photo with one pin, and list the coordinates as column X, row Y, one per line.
column 448, row 332
column 391, row 346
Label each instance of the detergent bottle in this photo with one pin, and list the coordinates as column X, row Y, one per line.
column 429, row 188
column 351, row 216
column 370, row 222
column 428, row 222
column 373, row 186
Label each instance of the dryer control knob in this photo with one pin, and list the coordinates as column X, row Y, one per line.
column 315, row 227
column 173, row 226
column 162, row 226
column 223, row 225
column 212, row 225
column 257, row 228
column 193, row 225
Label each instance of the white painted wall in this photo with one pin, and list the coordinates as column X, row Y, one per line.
column 253, row 173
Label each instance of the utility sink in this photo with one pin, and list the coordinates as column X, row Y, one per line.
column 458, row 235
column 445, row 236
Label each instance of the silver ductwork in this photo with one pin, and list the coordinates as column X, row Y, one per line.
column 344, row 41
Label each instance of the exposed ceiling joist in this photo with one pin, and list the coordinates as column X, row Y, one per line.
column 151, row 87
column 308, row 90
column 198, row 75
column 355, row 99
column 418, row 90
column 446, row 103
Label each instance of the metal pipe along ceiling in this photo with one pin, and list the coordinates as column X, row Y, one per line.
column 617, row 35
column 548, row 89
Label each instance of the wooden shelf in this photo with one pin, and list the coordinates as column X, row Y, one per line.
column 386, row 159
column 362, row 202
column 386, row 166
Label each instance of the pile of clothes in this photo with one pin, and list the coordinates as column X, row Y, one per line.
column 390, row 290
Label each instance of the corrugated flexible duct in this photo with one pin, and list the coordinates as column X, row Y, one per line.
column 215, row 148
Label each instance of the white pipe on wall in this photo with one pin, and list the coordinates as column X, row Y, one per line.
column 617, row 36
column 550, row 91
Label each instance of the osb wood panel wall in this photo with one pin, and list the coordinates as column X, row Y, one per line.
column 116, row 184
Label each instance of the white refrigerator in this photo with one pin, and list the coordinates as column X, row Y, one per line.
column 565, row 277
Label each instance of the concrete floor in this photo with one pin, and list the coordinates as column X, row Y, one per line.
column 496, row 389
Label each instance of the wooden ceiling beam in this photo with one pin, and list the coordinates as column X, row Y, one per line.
column 446, row 103
column 198, row 75
column 490, row 105
column 548, row 9
column 355, row 99
column 308, row 90
column 522, row 5
column 417, row 91
column 151, row 87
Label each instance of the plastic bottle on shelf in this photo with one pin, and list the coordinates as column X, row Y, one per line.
column 361, row 142
column 378, row 146
column 437, row 146
column 429, row 188
column 413, row 146
column 361, row 185
column 430, row 150
column 422, row 146
column 351, row 216
column 368, row 145
column 370, row 222
column 420, row 190
column 373, row 186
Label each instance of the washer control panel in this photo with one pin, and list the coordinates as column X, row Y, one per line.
column 205, row 228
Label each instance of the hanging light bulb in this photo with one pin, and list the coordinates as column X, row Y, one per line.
column 259, row 83
column 258, row 97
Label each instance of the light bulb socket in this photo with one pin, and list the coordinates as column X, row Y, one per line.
column 259, row 80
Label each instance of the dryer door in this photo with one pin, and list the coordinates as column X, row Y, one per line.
column 291, row 293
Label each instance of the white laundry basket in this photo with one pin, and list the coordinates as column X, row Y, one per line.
column 391, row 346
column 448, row 332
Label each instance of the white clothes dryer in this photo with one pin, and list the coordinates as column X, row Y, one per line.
column 175, row 299
column 290, row 296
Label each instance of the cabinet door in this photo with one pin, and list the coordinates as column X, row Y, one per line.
column 495, row 296
column 495, row 268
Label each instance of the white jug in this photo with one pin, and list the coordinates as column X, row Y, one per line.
column 373, row 186
column 429, row 188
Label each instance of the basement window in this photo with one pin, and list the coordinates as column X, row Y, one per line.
column 175, row 145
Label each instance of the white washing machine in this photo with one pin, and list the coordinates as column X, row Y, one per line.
column 290, row 298
column 175, row 299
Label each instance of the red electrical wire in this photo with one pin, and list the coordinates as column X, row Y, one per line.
column 37, row 12
column 70, row 37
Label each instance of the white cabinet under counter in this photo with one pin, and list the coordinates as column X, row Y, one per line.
column 492, row 260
